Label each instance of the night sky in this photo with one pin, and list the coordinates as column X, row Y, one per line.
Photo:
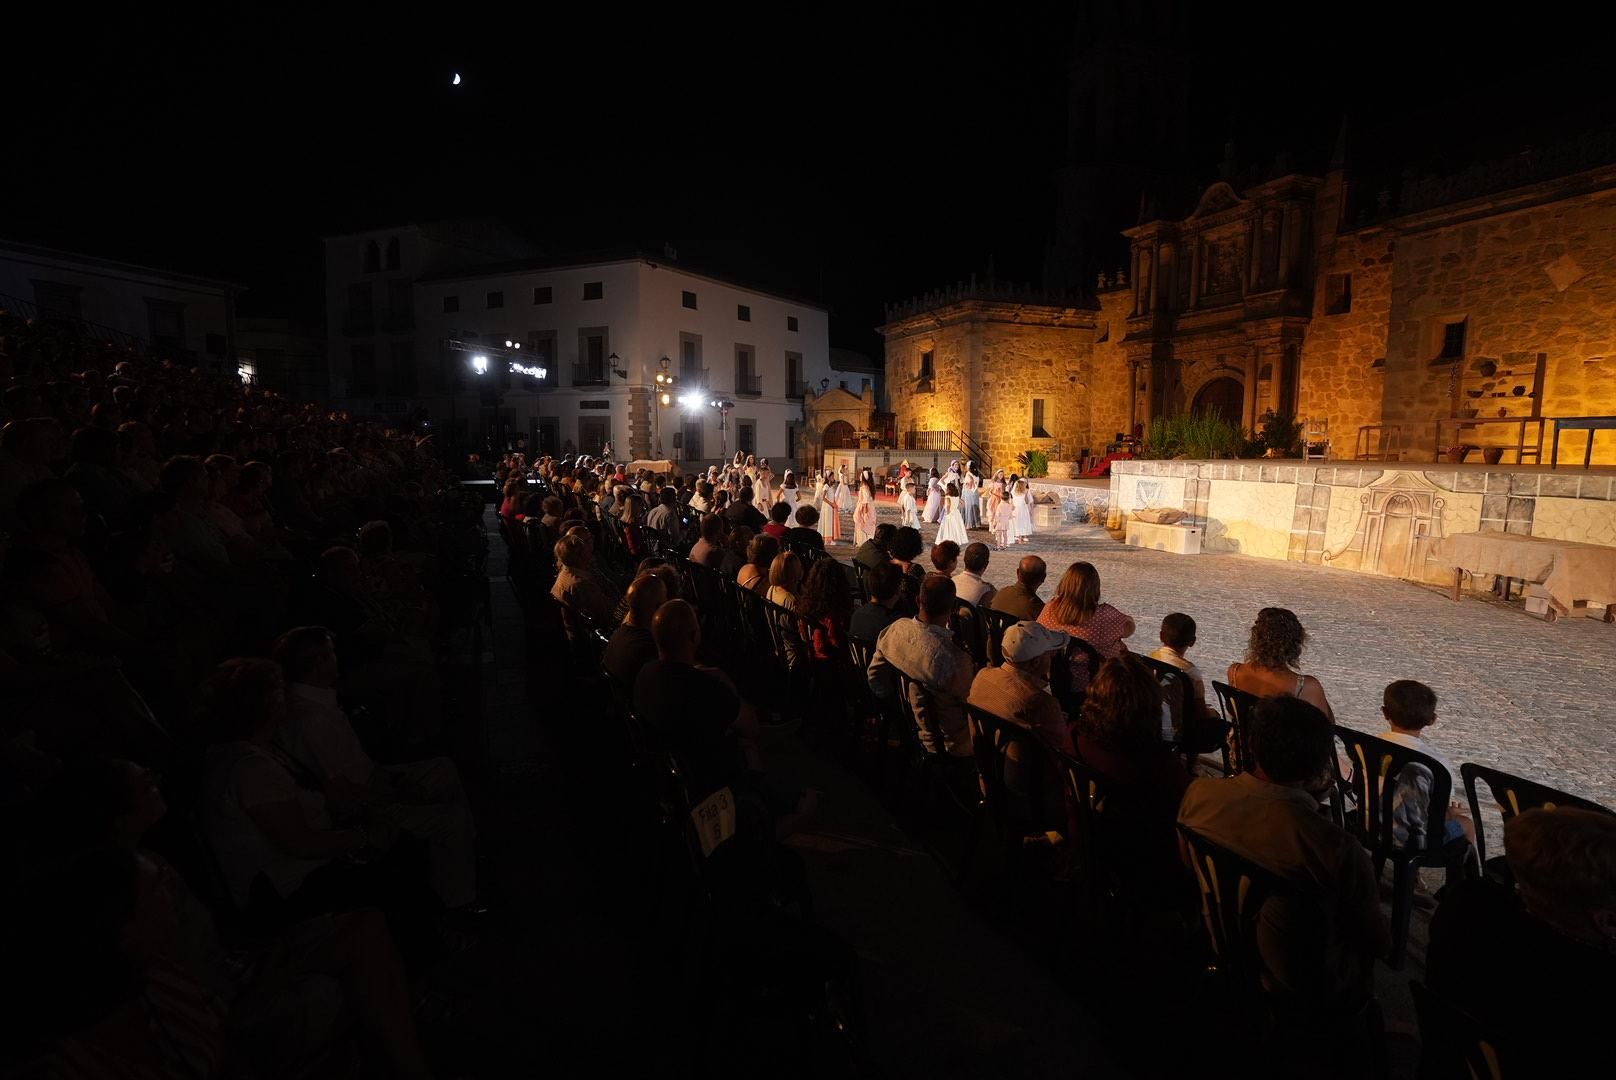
column 858, row 155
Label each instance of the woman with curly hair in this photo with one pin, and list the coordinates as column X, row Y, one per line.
column 1076, row 609
column 1272, row 657
column 1119, row 736
column 826, row 606
column 760, row 553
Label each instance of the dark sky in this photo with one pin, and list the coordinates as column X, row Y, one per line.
column 857, row 154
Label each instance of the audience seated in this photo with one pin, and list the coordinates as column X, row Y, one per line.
column 1119, row 737
column 885, row 582
column 423, row 799
column 1206, row 729
column 779, row 514
column 945, row 558
column 923, row 648
column 760, row 556
column 664, row 516
column 1534, row 964
column 873, row 552
column 905, row 548
column 737, row 551
column 1021, row 598
column 1277, row 641
column 785, row 579
column 1078, row 611
column 805, row 531
column 826, row 606
column 1410, row 710
column 577, row 587
column 742, row 512
column 709, row 550
column 968, row 582
column 632, row 646
column 1018, row 691
column 1271, row 816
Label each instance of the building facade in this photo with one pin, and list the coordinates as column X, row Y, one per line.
column 188, row 318
column 1488, row 296
column 285, row 356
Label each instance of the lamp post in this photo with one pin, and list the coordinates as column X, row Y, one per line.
column 723, row 405
column 664, row 396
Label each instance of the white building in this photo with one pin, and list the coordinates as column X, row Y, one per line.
column 603, row 331
column 189, row 318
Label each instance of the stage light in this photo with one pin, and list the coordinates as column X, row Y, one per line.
column 479, row 364
column 667, row 399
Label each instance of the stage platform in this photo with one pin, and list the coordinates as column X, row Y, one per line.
column 1386, row 518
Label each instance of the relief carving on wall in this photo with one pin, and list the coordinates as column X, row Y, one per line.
column 1398, row 529
column 1224, row 262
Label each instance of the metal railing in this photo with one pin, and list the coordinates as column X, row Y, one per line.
column 749, row 385
column 953, row 442
column 30, row 310
column 589, row 375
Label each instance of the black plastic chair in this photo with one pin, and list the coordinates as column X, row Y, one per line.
column 1060, row 675
column 1000, row 745
column 966, row 623
column 1366, row 798
column 886, row 714
column 1233, row 891
column 936, row 769
column 1177, row 692
column 1453, row 1043
column 1236, row 706
column 994, row 624
column 1512, row 795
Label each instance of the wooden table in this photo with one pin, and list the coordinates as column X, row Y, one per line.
column 1571, row 572
column 1590, row 424
column 1521, row 450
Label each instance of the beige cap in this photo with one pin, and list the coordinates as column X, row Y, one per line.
column 1028, row 641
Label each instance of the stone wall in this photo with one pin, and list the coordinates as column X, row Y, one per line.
column 1343, row 375
column 1107, row 375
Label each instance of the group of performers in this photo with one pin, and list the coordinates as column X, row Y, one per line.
column 960, row 500
column 832, row 494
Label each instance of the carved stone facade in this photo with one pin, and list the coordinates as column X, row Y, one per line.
column 1263, row 299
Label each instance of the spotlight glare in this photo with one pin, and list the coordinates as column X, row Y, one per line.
column 479, row 364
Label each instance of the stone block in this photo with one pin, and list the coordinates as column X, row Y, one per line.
column 1491, row 524
column 1523, row 483
column 1495, row 506
column 1497, row 483
column 1179, row 539
column 1564, row 487
column 1597, row 487
column 1520, row 510
column 1470, row 481
column 1521, row 528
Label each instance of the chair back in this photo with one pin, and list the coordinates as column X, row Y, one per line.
column 856, row 583
column 1514, row 795
column 753, row 620
column 967, row 626
column 1236, row 706
column 1060, row 675
column 1368, row 792
column 808, row 553
column 1234, row 891
column 1000, row 745
column 920, row 713
column 994, row 624
column 785, row 636
column 1177, row 691
column 1453, row 1042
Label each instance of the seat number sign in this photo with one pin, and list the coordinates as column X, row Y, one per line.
column 714, row 818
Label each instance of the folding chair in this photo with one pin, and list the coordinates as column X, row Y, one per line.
column 1512, row 795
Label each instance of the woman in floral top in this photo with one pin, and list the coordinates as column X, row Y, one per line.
column 1076, row 609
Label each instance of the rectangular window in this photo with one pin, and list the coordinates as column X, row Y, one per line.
column 1453, row 340
column 361, row 371
column 496, row 300
column 747, row 381
column 688, row 299
column 1337, row 294
column 594, row 404
column 542, row 294
column 794, row 384
column 541, row 352
column 743, row 313
column 692, row 440
column 215, row 345
column 791, row 322
column 1038, row 429
column 167, row 321
column 746, row 436
column 594, row 290
column 451, row 304
column 401, row 369
column 926, row 370
column 691, row 373
column 592, row 352
column 57, row 300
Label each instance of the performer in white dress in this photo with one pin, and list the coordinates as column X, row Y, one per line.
column 908, row 509
column 788, row 495
column 953, row 526
column 971, row 497
column 934, row 500
column 1022, row 500
column 864, row 511
column 764, row 496
column 829, row 503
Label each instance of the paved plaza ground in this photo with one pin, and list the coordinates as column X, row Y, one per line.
column 1513, row 692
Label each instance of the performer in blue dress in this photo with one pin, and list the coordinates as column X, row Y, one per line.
column 970, row 497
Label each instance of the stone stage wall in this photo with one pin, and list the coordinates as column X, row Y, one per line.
column 1386, row 519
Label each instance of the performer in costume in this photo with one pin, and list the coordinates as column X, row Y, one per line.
column 934, row 500
column 970, row 497
column 953, row 526
column 864, row 512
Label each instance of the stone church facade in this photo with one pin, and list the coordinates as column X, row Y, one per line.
column 1450, row 305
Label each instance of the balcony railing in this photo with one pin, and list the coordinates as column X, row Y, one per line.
column 749, row 385
column 589, row 375
column 693, row 376
column 797, row 390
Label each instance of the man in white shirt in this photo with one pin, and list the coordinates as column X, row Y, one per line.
column 664, row 516
column 968, row 582
column 422, row 798
column 1410, row 708
column 923, row 648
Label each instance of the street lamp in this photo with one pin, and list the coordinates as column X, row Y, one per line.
column 723, row 405
column 479, row 364
column 664, row 396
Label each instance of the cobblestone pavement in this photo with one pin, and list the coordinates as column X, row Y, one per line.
column 1522, row 695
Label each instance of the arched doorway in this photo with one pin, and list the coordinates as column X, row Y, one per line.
column 839, row 436
column 1224, row 398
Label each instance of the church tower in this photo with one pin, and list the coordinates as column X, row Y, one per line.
column 1127, row 131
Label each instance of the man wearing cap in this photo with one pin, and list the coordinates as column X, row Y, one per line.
column 1018, row 690
column 923, row 648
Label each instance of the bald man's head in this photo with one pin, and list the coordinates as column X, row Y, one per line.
column 1031, row 572
column 647, row 593
column 677, row 632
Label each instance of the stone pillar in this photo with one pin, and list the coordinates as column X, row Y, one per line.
column 639, row 422
column 1276, row 382
column 1154, row 256
column 1194, row 298
column 1248, row 413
